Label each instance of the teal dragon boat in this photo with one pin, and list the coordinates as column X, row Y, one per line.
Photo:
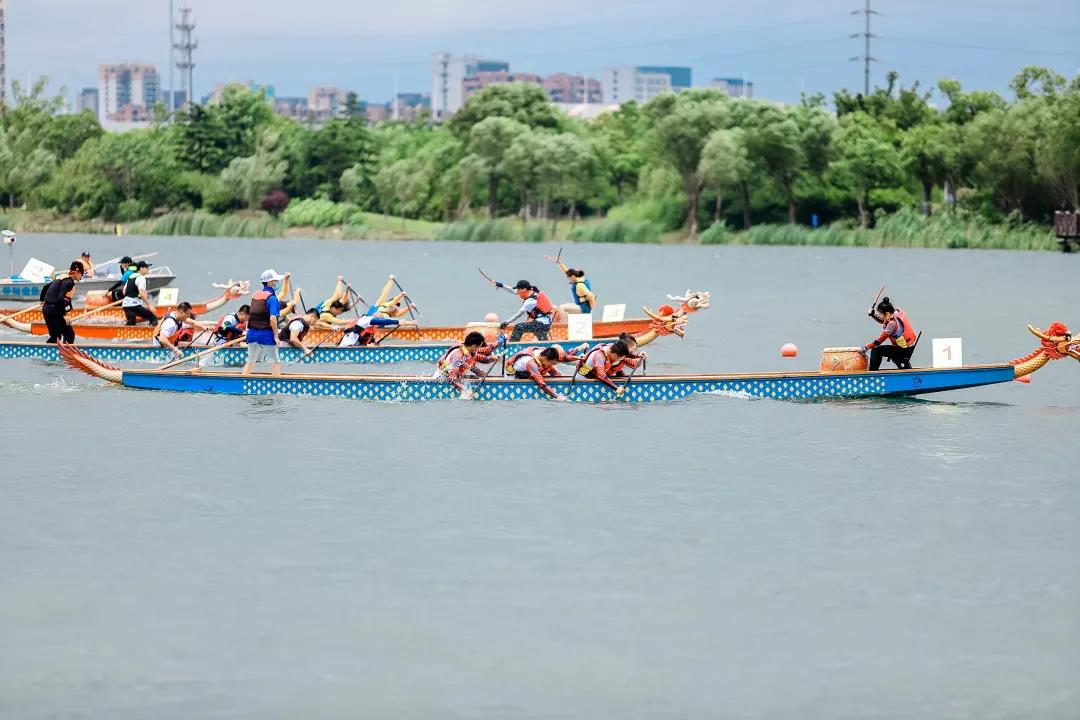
column 1056, row 343
column 236, row 356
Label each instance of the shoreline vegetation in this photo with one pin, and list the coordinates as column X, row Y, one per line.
column 900, row 166
column 903, row 229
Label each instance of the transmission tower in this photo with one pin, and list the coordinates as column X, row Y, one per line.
column 185, row 48
column 866, row 57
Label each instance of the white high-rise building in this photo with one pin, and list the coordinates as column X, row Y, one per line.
column 448, row 75
column 642, row 83
column 127, row 85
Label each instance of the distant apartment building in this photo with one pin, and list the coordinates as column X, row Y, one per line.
column 179, row 99
column 291, row 107
column 448, row 76
column 87, row 100
column 735, row 87
column 376, row 113
column 564, row 88
column 471, row 86
column 642, row 83
column 121, row 86
column 325, row 103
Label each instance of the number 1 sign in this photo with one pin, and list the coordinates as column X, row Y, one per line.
column 948, row 352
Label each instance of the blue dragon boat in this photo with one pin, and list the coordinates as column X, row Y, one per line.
column 656, row 388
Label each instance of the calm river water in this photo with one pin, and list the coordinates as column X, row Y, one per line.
column 172, row 556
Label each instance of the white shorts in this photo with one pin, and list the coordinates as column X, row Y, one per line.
column 263, row 353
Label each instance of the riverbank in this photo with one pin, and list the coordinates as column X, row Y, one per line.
column 901, row 229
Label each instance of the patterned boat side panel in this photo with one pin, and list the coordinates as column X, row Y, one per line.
column 642, row 390
column 237, row 356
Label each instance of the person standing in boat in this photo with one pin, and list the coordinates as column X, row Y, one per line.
column 231, row 327
column 136, row 301
column 584, row 300
column 536, row 306
column 896, row 330
column 56, row 301
column 459, row 362
column 263, row 325
column 176, row 327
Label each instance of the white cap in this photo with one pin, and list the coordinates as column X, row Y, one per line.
column 270, row 275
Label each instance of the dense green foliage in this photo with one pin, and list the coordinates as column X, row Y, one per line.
column 510, row 165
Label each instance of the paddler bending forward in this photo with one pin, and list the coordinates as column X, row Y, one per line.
column 176, row 327
column 533, row 363
column 295, row 330
column 897, row 330
column 600, row 363
column 460, row 361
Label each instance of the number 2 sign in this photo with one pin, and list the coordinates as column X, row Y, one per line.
column 948, row 352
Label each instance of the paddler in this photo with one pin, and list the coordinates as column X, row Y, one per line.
column 460, row 361
column 230, row 327
column 296, row 329
column 263, row 325
column 536, row 306
column 56, row 301
column 600, row 361
column 359, row 332
column 897, row 330
column 632, row 360
column 175, row 328
column 533, row 363
column 136, row 301
column 337, row 303
column 387, row 306
column 584, row 300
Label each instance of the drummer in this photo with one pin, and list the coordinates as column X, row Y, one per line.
column 897, row 330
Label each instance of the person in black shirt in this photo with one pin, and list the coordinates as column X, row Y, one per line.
column 56, row 299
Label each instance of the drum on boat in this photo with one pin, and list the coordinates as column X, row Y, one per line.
column 843, row 360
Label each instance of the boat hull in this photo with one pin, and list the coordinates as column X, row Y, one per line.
column 452, row 333
column 236, row 356
column 389, row 388
column 104, row 317
column 24, row 291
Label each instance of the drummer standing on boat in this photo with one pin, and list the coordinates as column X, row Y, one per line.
column 262, row 325
column 56, row 301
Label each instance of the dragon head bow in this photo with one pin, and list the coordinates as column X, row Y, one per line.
column 672, row 321
column 1057, row 341
column 693, row 301
column 235, row 288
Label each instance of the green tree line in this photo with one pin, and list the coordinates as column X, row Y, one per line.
column 681, row 160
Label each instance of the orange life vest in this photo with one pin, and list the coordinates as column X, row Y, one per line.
column 908, row 335
column 543, row 306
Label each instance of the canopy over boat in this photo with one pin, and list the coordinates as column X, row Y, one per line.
column 1056, row 343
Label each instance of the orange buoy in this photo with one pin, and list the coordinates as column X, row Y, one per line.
column 789, row 350
column 1026, row 379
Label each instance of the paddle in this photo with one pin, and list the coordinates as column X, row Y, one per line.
column 877, row 297
column 97, row 310
column 502, row 344
column 12, row 316
column 408, row 300
column 394, row 330
column 495, row 283
column 357, row 296
column 195, row 337
column 197, row 355
column 349, row 295
column 626, row 384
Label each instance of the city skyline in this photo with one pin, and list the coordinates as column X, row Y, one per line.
column 783, row 52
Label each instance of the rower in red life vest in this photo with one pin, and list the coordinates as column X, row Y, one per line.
column 460, row 361
column 533, row 363
column 536, row 306
column 360, row 331
column 631, row 361
column 898, row 330
column 230, row 327
column 176, row 327
column 600, row 360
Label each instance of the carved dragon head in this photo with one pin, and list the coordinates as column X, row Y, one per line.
column 1057, row 341
column 672, row 321
column 235, row 288
column 693, row 301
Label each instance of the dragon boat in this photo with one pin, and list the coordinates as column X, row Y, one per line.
column 26, row 318
column 236, row 355
column 1055, row 343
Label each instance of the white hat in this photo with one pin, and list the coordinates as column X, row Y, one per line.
column 270, row 275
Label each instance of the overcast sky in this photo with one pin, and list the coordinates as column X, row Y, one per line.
column 783, row 46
